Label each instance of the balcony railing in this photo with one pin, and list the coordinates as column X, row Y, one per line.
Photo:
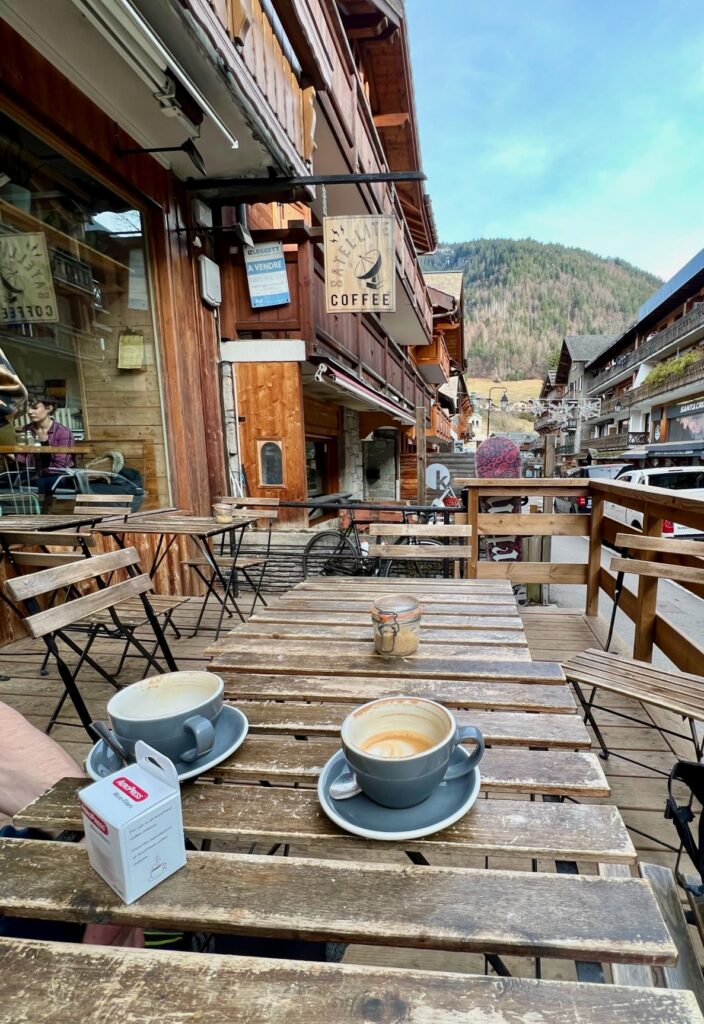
column 440, row 425
column 691, row 375
column 690, row 322
column 624, row 439
column 434, row 361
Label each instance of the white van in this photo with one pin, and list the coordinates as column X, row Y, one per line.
column 686, row 480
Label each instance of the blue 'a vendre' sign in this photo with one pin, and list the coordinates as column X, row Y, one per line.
column 266, row 275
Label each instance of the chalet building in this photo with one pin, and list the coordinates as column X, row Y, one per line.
column 571, row 376
column 651, row 378
column 143, row 148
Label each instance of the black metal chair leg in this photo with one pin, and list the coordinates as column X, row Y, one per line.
column 589, row 717
column 618, row 590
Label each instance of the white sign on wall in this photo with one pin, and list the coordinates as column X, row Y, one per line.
column 266, row 275
column 359, row 264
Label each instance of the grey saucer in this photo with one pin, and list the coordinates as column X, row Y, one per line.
column 363, row 817
column 230, row 732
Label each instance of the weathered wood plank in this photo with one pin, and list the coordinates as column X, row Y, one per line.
column 626, row 974
column 575, row 831
column 418, row 552
column 64, row 983
column 63, row 615
column 533, row 572
column 520, row 913
column 347, row 632
column 504, row 769
column 280, row 656
column 452, row 650
column 504, row 696
column 352, row 583
column 659, row 570
column 533, row 525
column 498, row 727
column 504, row 601
column 419, row 530
column 637, row 542
column 35, row 584
column 430, row 620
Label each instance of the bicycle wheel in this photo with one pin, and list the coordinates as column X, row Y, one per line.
column 330, row 554
column 415, row 568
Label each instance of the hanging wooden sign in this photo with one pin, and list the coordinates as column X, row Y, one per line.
column 360, row 272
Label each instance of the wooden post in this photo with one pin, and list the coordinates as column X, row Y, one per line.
column 532, row 548
column 473, row 521
column 549, row 460
column 421, row 455
column 596, row 528
column 646, row 602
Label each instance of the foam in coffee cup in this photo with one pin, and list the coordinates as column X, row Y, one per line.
column 396, row 743
column 399, row 749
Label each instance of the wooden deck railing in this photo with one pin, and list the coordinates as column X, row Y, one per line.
column 656, row 506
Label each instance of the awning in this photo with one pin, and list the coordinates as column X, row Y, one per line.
column 366, row 397
column 677, row 448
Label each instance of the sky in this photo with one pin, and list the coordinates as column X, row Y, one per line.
column 571, row 121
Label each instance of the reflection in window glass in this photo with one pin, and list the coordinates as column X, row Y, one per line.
column 271, row 463
column 75, row 313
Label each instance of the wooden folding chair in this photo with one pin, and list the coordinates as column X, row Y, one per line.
column 234, row 562
column 109, row 611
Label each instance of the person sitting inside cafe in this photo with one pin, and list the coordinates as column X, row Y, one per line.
column 46, row 430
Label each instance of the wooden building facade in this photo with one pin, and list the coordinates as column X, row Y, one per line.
column 225, row 92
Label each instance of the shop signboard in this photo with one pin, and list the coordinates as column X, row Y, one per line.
column 686, row 421
column 266, row 275
column 359, row 264
column 26, row 284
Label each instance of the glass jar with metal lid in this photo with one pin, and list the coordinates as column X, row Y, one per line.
column 396, row 621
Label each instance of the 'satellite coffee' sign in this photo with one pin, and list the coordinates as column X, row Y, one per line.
column 359, row 264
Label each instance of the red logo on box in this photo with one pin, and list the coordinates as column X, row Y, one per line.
column 94, row 819
column 131, row 789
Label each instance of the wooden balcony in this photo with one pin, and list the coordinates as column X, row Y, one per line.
column 434, row 361
column 264, row 56
column 440, row 428
column 354, row 341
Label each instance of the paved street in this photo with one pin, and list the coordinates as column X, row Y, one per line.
column 683, row 609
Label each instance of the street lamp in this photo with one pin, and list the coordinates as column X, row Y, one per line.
column 503, row 402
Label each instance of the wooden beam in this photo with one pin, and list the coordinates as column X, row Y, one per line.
column 391, row 120
column 421, row 455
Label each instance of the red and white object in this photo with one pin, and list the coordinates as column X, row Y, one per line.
column 134, row 826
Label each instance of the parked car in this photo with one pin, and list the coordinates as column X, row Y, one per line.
column 582, row 503
column 688, row 481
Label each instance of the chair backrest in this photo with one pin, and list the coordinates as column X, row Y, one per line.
column 99, row 505
column 667, row 568
column 263, row 508
column 14, row 542
column 46, row 582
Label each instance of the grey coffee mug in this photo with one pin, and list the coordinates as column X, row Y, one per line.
column 403, row 781
column 176, row 713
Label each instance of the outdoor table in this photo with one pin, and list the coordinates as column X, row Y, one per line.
column 537, row 747
column 202, row 530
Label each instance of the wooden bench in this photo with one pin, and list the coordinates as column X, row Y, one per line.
column 680, row 693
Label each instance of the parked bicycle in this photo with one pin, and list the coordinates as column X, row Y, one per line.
column 343, row 552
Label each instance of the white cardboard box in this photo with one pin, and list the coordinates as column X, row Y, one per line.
column 134, row 826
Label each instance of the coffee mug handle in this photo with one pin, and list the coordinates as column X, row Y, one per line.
column 463, row 767
column 203, row 734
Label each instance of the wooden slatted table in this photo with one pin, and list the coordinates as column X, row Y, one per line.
column 296, row 688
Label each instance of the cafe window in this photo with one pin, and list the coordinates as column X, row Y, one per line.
column 76, row 317
column 271, row 463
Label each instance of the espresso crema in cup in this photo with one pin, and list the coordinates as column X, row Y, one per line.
column 396, row 743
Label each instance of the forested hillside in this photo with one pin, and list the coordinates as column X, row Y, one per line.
column 523, row 297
